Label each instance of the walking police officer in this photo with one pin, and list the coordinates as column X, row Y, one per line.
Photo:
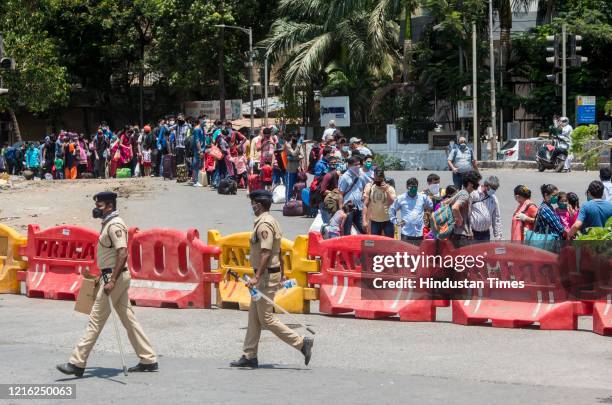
column 111, row 259
column 265, row 256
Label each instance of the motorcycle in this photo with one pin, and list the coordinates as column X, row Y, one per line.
column 552, row 154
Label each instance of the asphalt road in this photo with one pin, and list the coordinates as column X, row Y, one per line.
column 355, row 360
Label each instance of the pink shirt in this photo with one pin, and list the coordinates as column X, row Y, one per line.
column 241, row 164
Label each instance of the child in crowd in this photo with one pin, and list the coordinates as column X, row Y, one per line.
column 146, row 161
column 336, row 223
column 266, row 176
column 573, row 207
column 562, row 210
column 241, row 162
column 59, row 166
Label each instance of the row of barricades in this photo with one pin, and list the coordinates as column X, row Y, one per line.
column 171, row 268
column 548, row 279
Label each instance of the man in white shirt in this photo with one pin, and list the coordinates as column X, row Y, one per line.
column 566, row 132
column 328, row 134
column 484, row 214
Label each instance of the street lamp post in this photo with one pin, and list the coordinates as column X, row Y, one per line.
column 249, row 32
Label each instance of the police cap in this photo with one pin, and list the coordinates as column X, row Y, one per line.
column 260, row 195
column 105, row 196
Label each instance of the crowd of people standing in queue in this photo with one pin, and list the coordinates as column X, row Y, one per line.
column 349, row 192
column 354, row 196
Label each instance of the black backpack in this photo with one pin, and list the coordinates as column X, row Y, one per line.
column 148, row 141
column 189, row 145
column 227, row 187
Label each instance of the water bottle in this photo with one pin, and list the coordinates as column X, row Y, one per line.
column 290, row 283
column 255, row 295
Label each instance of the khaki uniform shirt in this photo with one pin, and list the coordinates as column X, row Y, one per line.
column 266, row 235
column 112, row 237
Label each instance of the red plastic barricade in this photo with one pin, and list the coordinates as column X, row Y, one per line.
column 411, row 302
column 590, row 272
column 170, row 268
column 543, row 298
column 56, row 259
column 341, row 261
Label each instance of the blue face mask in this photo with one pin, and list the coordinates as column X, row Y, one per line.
column 354, row 170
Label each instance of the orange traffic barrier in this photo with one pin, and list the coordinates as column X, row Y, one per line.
column 170, row 268
column 56, row 259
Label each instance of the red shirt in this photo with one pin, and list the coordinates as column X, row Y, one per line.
column 266, row 173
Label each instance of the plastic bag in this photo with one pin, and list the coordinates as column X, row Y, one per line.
column 316, row 224
column 278, row 194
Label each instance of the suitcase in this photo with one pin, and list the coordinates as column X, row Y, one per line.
column 168, row 167
column 254, row 182
column 227, row 187
column 293, row 208
column 297, row 190
column 181, row 173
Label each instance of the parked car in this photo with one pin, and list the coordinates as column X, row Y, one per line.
column 521, row 149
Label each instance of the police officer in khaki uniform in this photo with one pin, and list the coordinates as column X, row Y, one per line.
column 111, row 259
column 265, row 255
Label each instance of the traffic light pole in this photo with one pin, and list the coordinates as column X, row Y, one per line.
column 564, row 70
column 474, row 91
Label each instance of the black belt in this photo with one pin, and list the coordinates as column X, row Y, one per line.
column 271, row 270
column 110, row 271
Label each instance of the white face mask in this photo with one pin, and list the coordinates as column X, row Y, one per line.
column 434, row 188
column 491, row 192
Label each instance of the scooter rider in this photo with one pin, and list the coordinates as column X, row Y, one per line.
column 566, row 135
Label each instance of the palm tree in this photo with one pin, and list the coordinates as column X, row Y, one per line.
column 315, row 40
column 311, row 34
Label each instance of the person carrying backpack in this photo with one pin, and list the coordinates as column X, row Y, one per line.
column 377, row 197
column 411, row 207
column 351, row 185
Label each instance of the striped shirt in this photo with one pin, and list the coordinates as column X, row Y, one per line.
column 547, row 221
column 485, row 213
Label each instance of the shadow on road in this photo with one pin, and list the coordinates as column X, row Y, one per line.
column 99, row 372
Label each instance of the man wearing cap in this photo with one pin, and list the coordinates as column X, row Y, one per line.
column 265, row 255
column 357, row 146
column 111, row 259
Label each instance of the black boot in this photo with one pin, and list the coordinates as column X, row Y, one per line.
column 140, row 368
column 307, row 349
column 244, row 362
column 70, row 369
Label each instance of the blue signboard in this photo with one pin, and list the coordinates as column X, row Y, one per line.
column 585, row 110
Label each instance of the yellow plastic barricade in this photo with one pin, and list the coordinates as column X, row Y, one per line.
column 235, row 256
column 10, row 260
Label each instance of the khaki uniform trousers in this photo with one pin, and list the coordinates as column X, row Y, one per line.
column 99, row 314
column 261, row 313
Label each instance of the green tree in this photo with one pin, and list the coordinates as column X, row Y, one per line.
column 39, row 82
column 334, row 46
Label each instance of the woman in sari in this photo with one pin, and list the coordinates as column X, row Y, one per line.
column 525, row 213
